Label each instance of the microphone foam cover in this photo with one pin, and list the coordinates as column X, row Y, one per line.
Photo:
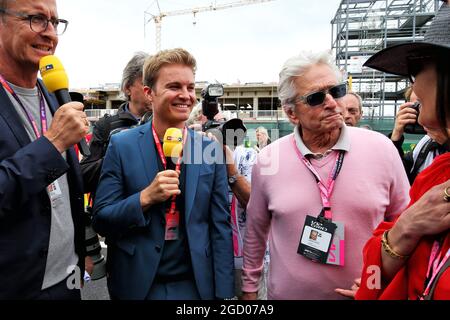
column 173, row 142
column 53, row 74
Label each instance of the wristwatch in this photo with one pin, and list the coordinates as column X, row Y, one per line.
column 232, row 179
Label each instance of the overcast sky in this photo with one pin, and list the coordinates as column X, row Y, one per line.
column 245, row 44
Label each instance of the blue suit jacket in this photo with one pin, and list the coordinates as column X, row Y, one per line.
column 26, row 169
column 136, row 238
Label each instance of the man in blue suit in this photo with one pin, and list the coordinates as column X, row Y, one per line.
column 134, row 203
column 41, row 208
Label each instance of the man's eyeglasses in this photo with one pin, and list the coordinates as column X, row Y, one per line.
column 38, row 22
column 317, row 98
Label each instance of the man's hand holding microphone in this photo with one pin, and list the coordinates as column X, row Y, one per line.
column 166, row 183
column 163, row 187
column 69, row 125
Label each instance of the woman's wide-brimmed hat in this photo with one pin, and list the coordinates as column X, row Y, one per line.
column 395, row 59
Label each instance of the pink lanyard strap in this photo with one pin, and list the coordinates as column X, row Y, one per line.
column 43, row 113
column 434, row 266
column 325, row 190
column 164, row 161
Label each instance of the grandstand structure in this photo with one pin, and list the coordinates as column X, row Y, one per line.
column 361, row 28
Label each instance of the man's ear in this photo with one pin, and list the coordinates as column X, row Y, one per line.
column 127, row 91
column 148, row 93
column 359, row 116
column 291, row 115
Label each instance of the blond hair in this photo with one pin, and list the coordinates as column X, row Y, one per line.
column 408, row 93
column 154, row 63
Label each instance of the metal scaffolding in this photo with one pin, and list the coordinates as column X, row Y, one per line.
column 361, row 28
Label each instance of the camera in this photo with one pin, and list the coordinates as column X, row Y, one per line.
column 230, row 133
column 415, row 128
column 210, row 102
column 93, row 248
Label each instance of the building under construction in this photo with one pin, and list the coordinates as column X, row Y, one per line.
column 361, row 28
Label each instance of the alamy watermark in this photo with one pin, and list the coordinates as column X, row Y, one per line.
column 374, row 279
column 74, row 280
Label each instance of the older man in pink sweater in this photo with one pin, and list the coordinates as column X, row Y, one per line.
column 318, row 193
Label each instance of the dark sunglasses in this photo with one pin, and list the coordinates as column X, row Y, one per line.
column 317, row 98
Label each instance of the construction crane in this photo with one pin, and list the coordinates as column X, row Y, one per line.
column 213, row 7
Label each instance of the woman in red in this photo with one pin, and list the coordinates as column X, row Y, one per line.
column 410, row 258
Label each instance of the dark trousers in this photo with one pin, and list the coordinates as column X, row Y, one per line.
column 59, row 291
column 175, row 290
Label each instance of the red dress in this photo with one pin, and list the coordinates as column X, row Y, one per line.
column 409, row 281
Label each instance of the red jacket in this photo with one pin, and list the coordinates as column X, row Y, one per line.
column 409, row 281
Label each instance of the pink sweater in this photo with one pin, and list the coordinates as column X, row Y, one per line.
column 372, row 186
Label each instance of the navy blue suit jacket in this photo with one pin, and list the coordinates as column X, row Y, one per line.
column 136, row 238
column 26, row 169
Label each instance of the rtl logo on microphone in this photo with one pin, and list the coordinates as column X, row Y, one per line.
column 176, row 139
column 48, row 67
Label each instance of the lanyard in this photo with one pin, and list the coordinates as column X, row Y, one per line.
column 164, row 161
column 434, row 266
column 161, row 153
column 326, row 190
column 43, row 113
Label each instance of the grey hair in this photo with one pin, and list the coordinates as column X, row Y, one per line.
column 133, row 70
column 360, row 101
column 4, row 4
column 295, row 67
column 262, row 130
column 195, row 114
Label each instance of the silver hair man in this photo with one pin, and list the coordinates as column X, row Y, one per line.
column 360, row 101
column 196, row 115
column 295, row 67
column 132, row 71
column 352, row 104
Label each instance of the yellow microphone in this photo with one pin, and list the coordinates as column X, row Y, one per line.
column 56, row 81
column 172, row 145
